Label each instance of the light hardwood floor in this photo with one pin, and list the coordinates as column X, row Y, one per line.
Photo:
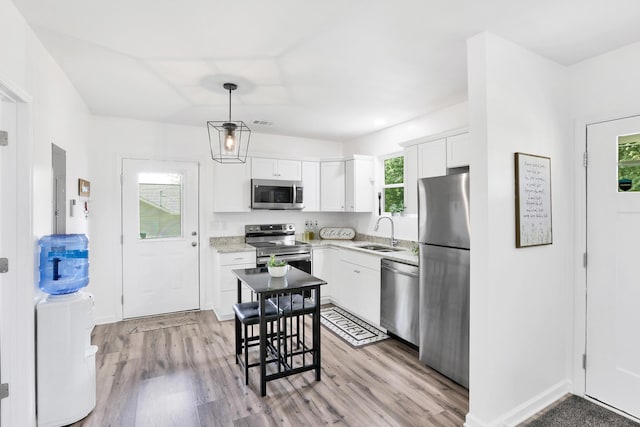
column 186, row 376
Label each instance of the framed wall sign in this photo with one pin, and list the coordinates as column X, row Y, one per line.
column 84, row 188
column 533, row 200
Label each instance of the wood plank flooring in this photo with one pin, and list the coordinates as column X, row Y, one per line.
column 186, row 376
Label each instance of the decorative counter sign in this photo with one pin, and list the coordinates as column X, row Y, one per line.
column 533, row 200
column 337, row 233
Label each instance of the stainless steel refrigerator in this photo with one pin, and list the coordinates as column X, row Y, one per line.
column 443, row 237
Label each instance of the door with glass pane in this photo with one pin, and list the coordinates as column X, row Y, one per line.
column 613, row 283
column 160, row 244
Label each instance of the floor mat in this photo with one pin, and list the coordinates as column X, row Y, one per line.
column 576, row 411
column 349, row 327
column 160, row 322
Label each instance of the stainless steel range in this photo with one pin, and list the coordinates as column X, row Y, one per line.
column 278, row 240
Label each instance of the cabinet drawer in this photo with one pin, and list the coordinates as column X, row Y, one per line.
column 234, row 258
column 362, row 259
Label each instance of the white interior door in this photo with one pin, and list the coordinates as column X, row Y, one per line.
column 160, row 237
column 613, row 277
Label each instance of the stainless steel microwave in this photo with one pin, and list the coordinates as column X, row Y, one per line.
column 276, row 194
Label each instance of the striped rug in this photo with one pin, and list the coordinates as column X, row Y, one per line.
column 349, row 327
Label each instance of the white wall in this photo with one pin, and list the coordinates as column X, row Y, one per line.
column 56, row 114
column 521, row 299
column 115, row 138
column 388, row 140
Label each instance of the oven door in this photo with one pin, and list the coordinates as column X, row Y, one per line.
column 299, row 261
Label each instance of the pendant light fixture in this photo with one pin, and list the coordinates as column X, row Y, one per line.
column 229, row 140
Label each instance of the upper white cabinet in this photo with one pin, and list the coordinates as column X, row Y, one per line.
column 232, row 187
column 332, row 186
column 432, row 158
column 311, row 186
column 458, row 150
column 276, row 169
column 359, row 185
column 411, row 179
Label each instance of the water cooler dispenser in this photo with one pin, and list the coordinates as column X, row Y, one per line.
column 66, row 367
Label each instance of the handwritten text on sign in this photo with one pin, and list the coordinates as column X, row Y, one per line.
column 534, row 194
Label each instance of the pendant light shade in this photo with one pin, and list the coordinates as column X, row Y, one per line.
column 229, row 140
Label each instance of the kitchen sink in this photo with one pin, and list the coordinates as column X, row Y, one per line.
column 378, row 248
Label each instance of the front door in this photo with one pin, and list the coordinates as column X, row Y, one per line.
column 613, row 279
column 160, row 237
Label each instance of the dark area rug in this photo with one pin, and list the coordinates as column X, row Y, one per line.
column 576, row 411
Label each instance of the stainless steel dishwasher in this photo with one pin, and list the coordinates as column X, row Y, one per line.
column 399, row 300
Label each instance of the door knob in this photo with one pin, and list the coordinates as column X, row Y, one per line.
column 194, row 243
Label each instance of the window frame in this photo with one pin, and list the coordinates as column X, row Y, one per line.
column 384, row 186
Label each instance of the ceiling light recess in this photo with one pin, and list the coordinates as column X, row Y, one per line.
column 229, row 140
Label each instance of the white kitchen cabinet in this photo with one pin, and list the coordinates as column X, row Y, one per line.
column 432, row 158
column 332, row 186
column 276, row 169
column 225, row 284
column 458, row 150
column 358, row 288
column 311, row 186
column 323, row 265
column 232, row 187
column 359, row 185
column 411, row 179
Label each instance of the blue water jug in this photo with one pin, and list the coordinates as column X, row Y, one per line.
column 64, row 263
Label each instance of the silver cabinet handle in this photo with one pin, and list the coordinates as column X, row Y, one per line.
column 356, row 271
column 194, row 244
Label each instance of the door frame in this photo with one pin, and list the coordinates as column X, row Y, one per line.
column 203, row 242
column 22, row 336
column 580, row 244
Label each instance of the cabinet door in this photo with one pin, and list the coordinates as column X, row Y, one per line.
column 458, row 150
column 411, row 179
column 263, row 168
column 311, row 186
column 432, row 158
column 363, row 185
column 322, row 266
column 332, row 186
column 360, row 291
column 290, row 170
column 349, row 186
column 232, row 187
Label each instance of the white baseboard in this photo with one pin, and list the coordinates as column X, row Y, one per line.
column 526, row 409
column 106, row 320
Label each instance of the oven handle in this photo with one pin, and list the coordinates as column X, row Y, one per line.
column 299, row 257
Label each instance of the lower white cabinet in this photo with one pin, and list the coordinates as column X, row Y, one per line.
column 323, row 265
column 225, row 284
column 357, row 285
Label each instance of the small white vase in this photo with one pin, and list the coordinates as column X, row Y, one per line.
column 278, row 271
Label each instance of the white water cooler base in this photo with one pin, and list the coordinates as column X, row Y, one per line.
column 66, row 361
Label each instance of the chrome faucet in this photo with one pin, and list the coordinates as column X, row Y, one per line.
column 393, row 240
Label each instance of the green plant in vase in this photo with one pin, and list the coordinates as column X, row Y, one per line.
column 273, row 262
column 277, row 268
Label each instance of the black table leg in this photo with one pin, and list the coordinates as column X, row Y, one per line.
column 316, row 332
column 263, row 347
column 238, row 325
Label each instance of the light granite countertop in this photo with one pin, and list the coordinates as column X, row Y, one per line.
column 231, row 245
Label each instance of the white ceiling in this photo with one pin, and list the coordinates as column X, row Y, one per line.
column 330, row 69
